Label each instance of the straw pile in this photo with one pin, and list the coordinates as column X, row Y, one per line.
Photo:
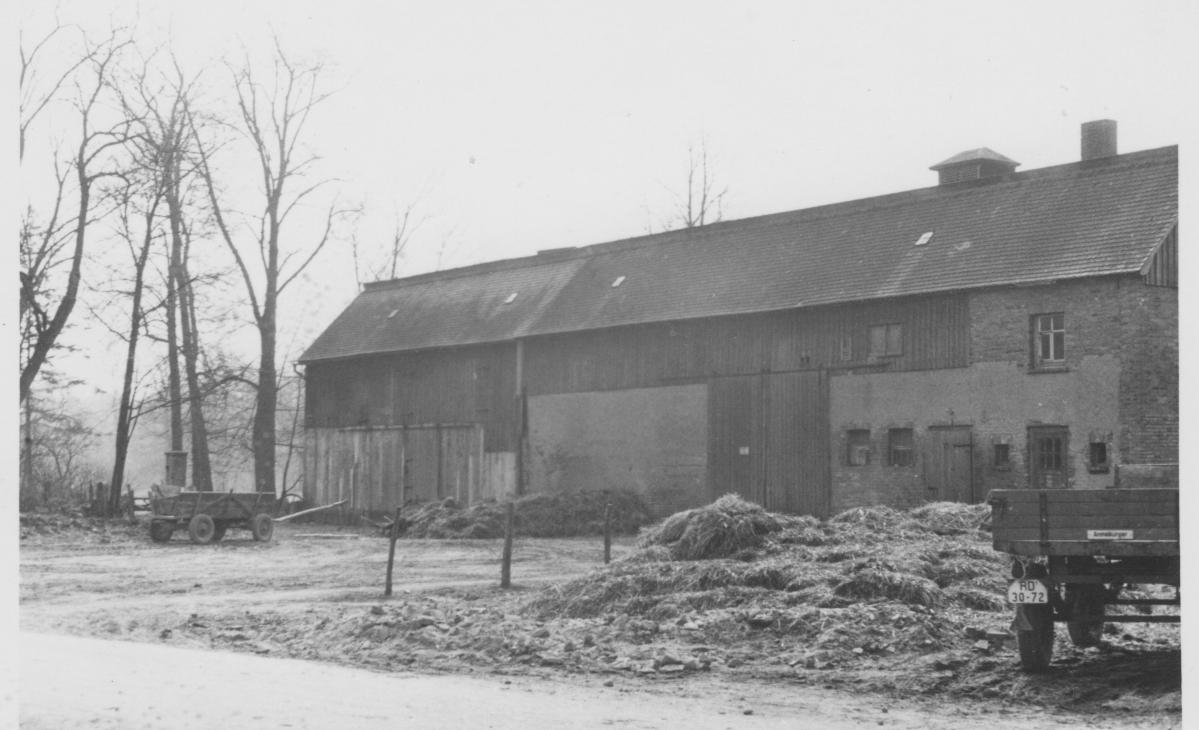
column 734, row 554
column 727, row 527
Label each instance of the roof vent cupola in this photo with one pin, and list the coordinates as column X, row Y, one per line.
column 978, row 164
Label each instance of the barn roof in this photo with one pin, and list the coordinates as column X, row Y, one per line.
column 1093, row 218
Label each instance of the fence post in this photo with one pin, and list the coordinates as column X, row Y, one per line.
column 506, row 564
column 391, row 551
column 607, row 533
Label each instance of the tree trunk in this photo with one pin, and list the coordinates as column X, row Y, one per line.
column 201, row 463
column 46, row 338
column 174, row 386
column 125, row 410
column 264, row 412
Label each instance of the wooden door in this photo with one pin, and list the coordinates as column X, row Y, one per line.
column 732, row 453
column 768, row 440
column 1048, row 457
column 949, row 466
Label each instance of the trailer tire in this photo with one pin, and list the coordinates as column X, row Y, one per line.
column 262, row 527
column 1085, row 600
column 1035, row 643
column 161, row 530
column 201, row 528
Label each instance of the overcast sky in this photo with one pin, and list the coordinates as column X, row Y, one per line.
column 521, row 126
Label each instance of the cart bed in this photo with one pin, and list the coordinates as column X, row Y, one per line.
column 1081, row 522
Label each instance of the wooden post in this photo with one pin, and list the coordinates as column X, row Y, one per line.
column 607, row 533
column 391, row 551
column 506, row 564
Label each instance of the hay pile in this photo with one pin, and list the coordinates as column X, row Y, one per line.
column 536, row 515
column 727, row 527
column 734, row 555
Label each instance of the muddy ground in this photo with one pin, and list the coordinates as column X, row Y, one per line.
column 315, row 592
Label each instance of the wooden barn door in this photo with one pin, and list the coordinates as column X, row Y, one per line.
column 731, row 449
column 796, row 441
column 769, row 440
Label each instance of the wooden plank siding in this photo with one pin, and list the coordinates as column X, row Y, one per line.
column 768, row 440
column 1162, row 268
column 452, row 386
column 935, row 335
column 378, row 469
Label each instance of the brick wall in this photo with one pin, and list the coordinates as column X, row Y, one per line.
column 1113, row 316
column 1149, row 380
column 1119, row 385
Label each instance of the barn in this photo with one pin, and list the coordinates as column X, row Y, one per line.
column 998, row 329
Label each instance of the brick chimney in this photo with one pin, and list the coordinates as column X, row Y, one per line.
column 1098, row 139
column 978, row 164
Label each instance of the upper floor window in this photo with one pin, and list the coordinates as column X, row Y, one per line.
column 1049, row 339
column 886, row 340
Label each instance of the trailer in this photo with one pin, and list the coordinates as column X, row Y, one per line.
column 208, row 515
column 1074, row 551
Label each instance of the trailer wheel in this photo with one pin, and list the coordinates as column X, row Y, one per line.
column 201, row 528
column 1036, row 641
column 262, row 527
column 1085, row 600
column 161, row 530
column 218, row 532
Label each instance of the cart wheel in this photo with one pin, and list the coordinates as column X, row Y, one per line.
column 1036, row 642
column 1085, row 601
column 161, row 530
column 262, row 527
column 218, row 532
column 201, row 528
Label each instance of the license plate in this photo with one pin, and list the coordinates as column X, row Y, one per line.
column 1027, row 590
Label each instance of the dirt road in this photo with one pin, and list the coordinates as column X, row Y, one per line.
column 68, row 682
column 308, row 595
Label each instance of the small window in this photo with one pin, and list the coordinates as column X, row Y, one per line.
column 886, row 340
column 1098, row 463
column 857, row 452
column 846, row 347
column 1001, row 457
column 1049, row 339
column 900, row 447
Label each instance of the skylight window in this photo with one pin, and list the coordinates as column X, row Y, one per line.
column 924, row 238
column 618, row 282
column 511, row 298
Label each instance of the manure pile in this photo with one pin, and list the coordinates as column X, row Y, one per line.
column 537, row 515
column 732, row 554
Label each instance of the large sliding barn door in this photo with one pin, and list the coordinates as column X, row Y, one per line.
column 768, row 440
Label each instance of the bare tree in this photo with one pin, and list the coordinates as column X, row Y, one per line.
column 272, row 117
column 59, row 465
column 370, row 268
column 126, row 410
column 703, row 201
column 165, row 144
column 56, row 244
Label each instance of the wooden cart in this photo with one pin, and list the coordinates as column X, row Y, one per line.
column 208, row 515
column 1074, row 551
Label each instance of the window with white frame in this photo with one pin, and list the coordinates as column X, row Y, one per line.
column 1049, row 339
